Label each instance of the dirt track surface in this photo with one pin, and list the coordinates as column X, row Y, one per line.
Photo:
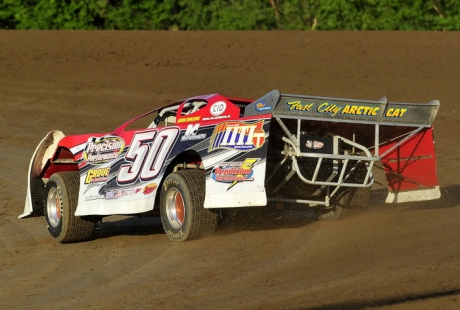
column 404, row 256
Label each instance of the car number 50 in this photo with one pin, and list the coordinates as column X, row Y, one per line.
column 147, row 155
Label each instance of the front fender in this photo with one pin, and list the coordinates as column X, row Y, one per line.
column 35, row 185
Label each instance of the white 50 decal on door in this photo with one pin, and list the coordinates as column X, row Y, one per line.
column 147, row 155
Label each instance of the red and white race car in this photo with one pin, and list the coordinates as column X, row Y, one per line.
column 208, row 153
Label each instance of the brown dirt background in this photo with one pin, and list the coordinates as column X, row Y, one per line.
column 404, row 256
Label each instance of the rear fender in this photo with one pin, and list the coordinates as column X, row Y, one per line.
column 236, row 173
column 35, row 185
column 410, row 168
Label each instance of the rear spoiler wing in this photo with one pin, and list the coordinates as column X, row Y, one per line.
column 408, row 155
column 347, row 110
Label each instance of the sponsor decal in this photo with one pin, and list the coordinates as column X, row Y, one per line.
column 328, row 108
column 360, row 110
column 218, row 108
column 333, row 109
column 314, row 144
column 113, row 194
column 395, row 112
column 234, row 172
column 261, row 107
column 149, row 188
column 298, row 106
column 191, row 133
column 104, row 149
column 188, row 119
column 215, row 117
column 97, row 175
column 117, row 193
column 241, row 136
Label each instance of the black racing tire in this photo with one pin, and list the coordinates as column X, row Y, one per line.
column 351, row 200
column 333, row 214
column 61, row 200
column 182, row 206
column 359, row 198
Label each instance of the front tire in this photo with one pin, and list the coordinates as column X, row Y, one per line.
column 181, row 206
column 60, row 205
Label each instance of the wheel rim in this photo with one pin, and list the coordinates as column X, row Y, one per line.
column 53, row 207
column 175, row 208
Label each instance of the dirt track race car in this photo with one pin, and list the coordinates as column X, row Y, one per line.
column 205, row 154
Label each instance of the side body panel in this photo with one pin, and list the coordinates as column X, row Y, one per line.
column 235, row 163
column 122, row 173
column 119, row 174
column 410, row 168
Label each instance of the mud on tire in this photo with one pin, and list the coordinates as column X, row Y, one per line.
column 61, row 200
column 181, row 206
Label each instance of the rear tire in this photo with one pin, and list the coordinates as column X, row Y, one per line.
column 353, row 199
column 181, row 206
column 333, row 214
column 359, row 198
column 61, row 200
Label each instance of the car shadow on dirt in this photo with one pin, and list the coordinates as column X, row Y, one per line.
column 264, row 218
column 125, row 226
column 244, row 219
column 385, row 302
